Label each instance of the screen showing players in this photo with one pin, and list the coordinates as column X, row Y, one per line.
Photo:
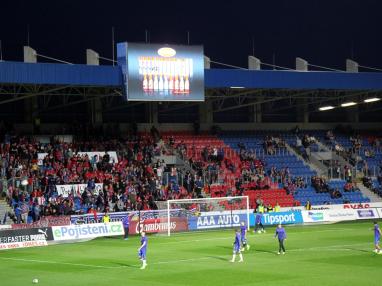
column 154, row 72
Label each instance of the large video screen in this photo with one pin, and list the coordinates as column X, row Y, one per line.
column 156, row 72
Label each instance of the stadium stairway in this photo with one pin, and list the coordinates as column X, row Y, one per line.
column 195, row 145
column 4, row 208
column 335, row 157
column 319, row 168
column 368, row 193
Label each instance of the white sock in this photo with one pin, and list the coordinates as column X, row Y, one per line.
column 233, row 257
column 241, row 256
column 144, row 262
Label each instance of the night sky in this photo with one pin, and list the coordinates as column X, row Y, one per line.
column 323, row 32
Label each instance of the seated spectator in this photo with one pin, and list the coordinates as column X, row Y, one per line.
column 367, row 182
column 348, row 187
column 329, row 135
column 335, row 194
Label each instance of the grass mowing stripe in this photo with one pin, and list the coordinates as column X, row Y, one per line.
column 324, row 248
column 339, row 254
column 54, row 262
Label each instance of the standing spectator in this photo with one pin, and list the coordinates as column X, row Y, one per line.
column 36, row 212
column 106, row 218
column 24, row 212
column 18, row 213
column 125, row 223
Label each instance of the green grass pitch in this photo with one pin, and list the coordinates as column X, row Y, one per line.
column 335, row 254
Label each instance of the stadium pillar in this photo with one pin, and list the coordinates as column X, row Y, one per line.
column 206, row 114
column 152, row 113
column 95, row 107
column 353, row 114
column 303, row 111
column 30, row 113
column 256, row 113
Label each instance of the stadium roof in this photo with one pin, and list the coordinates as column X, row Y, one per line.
column 111, row 76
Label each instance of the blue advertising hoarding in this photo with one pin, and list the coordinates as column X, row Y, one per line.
column 154, row 72
column 274, row 218
column 214, row 221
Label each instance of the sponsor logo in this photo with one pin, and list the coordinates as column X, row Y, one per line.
column 218, row 221
column 357, row 206
column 276, row 219
column 158, row 225
column 155, row 226
column 272, row 218
column 18, row 238
column 320, row 208
column 73, row 232
column 316, row 216
column 211, row 220
column 45, row 222
column 366, row 214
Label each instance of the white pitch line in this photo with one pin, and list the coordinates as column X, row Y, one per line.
column 54, row 262
column 338, row 247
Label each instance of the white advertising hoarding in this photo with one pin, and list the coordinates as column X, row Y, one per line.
column 86, row 231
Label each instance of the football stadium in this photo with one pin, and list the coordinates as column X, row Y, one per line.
column 237, row 144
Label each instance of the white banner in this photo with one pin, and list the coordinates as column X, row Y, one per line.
column 340, row 215
column 337, row 207
column 45, row 139
column 112, row 154
column 314, row 216
column 362, row 205
column 84, row 231
column 66, row 190
column 40, row 158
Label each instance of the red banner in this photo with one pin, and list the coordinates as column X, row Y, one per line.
column 158, row 225
column 47, row 221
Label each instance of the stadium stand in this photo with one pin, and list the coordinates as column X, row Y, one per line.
column 256, row 164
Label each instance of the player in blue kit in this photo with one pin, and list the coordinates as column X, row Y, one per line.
column 377, row 237
column 281, row 235
column 243, row 233
column 236, row 247
column 259, row 228
column 143, row 249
